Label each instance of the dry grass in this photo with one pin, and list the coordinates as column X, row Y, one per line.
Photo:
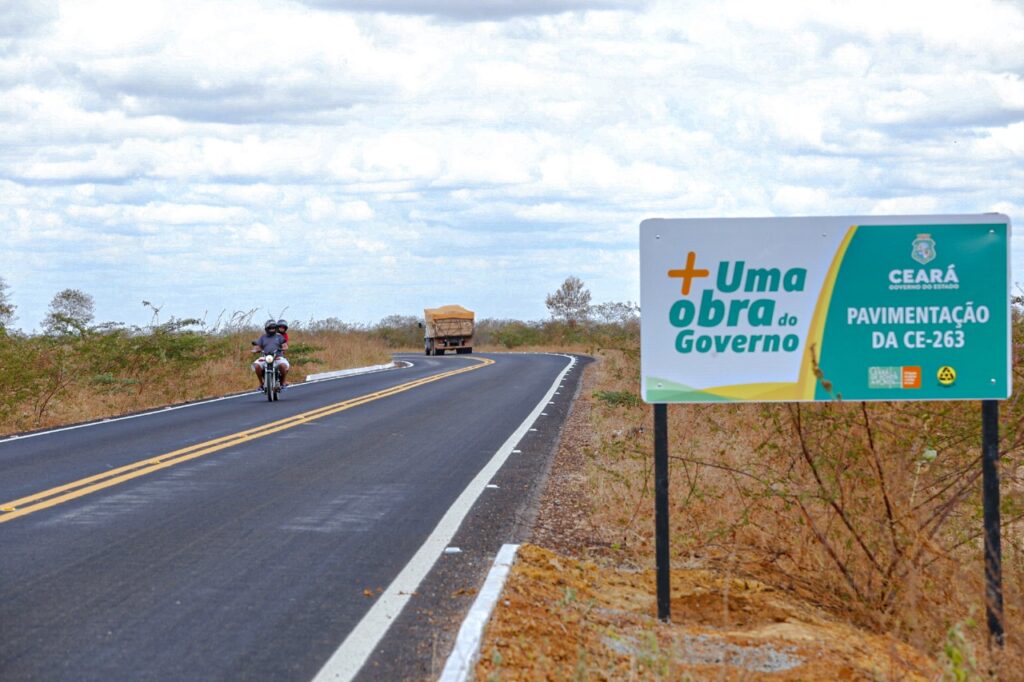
column 228, row 372
column 338, row 350
column 831, row 504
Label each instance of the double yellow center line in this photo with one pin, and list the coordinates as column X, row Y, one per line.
column 70, row 491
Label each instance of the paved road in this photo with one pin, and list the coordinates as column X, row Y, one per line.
column 240, row 539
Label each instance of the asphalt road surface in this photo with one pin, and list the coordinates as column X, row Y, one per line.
column 311, row 538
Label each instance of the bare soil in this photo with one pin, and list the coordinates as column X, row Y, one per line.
column 573, row 609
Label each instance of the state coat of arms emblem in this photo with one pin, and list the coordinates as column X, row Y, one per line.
column 924, row 249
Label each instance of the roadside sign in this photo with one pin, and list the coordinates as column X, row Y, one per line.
column 818, row 308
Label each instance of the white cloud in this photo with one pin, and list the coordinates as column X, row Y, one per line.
column 379, row 145
column 911, row 205
column 26, row 18
column 260, row 234
column 793, row 200
column 320, row 209
column 357, row 211
column 1002, row 141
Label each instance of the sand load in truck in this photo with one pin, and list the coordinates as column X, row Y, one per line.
column 447, row 327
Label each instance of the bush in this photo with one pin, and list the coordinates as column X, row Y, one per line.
column 399, row 331
column 618, row 398
column 111, row 369
column 517, row 334
column 39, row 372
column 871, row 509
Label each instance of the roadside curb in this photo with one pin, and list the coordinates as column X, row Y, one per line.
column 350, row 372
column 466, row 651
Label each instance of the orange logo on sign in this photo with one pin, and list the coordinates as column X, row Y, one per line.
column 689, row 273
column 911, row 377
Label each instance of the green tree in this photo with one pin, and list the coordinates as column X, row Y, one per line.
column 571, row 303
column 71, row 312
column 6, row 307
column 617, row 313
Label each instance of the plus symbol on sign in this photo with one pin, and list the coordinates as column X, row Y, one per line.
column 689, row 273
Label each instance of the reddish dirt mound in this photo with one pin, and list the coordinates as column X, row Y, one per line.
column 560, row 619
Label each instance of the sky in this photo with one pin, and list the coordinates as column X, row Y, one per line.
column 361, row 158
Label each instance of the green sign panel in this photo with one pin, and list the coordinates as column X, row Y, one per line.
column 803, row 309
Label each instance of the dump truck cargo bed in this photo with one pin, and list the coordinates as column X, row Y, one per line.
column 449, row 326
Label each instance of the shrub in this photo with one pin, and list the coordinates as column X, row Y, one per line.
column 618, row 398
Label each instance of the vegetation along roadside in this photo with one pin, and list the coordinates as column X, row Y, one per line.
column 823, row 541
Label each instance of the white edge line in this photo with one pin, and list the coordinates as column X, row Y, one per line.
column 467, row 644
column 349, row 658
column 170, row 408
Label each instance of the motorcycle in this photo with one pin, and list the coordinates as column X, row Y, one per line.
column 271, row 377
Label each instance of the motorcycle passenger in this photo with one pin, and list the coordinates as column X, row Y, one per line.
column 271, row 343
column 282, row 329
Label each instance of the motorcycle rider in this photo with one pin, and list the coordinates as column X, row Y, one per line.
column 282, row 329
column 270, row 343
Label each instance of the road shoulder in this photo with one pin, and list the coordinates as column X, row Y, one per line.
column 417, row 645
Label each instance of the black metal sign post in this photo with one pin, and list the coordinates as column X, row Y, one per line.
column 990, row 505
column 661, row 553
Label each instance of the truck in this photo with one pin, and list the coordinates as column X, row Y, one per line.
column 450, row 326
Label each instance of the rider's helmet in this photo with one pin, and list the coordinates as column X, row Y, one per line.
column 270, row 326
column 282, row 325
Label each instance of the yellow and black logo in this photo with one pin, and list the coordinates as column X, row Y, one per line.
column 946, row 375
